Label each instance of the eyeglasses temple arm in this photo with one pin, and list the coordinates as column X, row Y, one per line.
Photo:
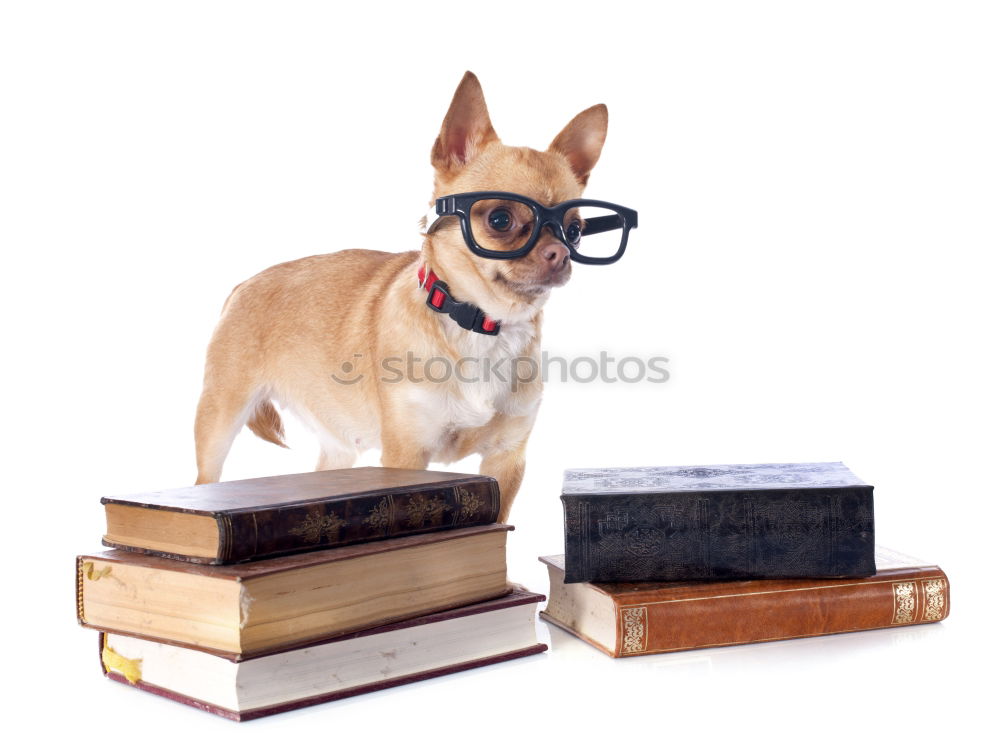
column 602, row 224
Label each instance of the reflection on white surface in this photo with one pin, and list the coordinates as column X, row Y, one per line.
column 820, row 650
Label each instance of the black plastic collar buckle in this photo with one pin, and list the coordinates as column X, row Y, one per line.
column 467, row 315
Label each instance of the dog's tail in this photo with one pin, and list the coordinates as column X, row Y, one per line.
column 266, row 424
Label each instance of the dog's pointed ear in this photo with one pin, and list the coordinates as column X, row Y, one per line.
column 466, row 128
column 582, row 139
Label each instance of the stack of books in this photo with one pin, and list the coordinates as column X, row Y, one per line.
column 672, row 558
column 253, row 597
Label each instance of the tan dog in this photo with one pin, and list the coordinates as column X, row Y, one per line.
column 329, row 336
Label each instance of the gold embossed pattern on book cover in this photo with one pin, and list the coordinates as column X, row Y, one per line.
column 904, row 595
column 634, row 621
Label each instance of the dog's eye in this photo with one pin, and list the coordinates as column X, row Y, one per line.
column 573, row 231
column 501, row 220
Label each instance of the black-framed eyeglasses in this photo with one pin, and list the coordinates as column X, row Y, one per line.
column 504, row 225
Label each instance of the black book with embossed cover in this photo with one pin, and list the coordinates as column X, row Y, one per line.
column 246, row 520
column 786, row 520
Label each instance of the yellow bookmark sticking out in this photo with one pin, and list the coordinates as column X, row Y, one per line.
column 130, row 669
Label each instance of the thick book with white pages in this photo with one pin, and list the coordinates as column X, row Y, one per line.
column 409, row 651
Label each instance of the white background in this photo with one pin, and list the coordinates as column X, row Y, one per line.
column 818, row 190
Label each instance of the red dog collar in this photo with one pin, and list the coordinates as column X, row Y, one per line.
column 439, row 299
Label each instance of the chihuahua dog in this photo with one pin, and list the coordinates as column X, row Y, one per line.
column 416, row 352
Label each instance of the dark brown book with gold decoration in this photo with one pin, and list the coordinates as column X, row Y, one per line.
column 630, row 619
column 251, row 608
column 246, row 520
column 409, row 651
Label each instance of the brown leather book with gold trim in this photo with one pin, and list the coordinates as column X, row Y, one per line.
column 252, row 608
column 631, row 619
column 246, row 520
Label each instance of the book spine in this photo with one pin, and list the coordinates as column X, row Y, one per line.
column 85, row 570
column 255, row 534
column 79, row 589
column 756, row 616
column 780, row 533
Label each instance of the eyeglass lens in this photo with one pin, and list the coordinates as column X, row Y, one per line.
column 595, row 232
column 501, row 224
